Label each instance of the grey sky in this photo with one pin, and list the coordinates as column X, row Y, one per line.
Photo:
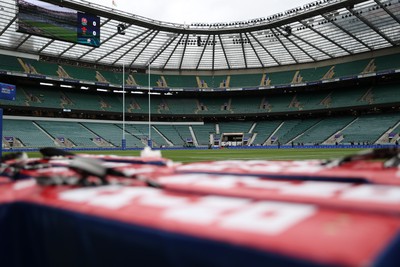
column 208, row 11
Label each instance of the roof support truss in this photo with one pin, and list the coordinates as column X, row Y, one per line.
column 326, row 38
column 202, row 52
column 134, row 46
column 347, row 32
column 161, row 50
column 283, row 45
column 169, row 57
column 369, row 24
column 264, row 48
column 223, row 50
column 254, row 50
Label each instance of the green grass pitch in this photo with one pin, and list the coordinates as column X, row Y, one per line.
column 53, row 30
column 230, row 154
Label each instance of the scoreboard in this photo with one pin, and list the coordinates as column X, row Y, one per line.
column 88, row 29
column 52, row 21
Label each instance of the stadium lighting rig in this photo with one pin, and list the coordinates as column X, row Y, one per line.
column 121, row 29
column 288, row 30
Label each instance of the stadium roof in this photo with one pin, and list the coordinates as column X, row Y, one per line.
column 317, row 31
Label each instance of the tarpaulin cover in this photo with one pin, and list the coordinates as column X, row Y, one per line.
column 199, row 218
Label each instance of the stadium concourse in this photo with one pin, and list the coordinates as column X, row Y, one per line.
column 80, row 76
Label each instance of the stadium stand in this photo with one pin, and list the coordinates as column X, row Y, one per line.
column 111, row 102
column 213, row 105
column 322, row 130
column 246, row 105
column 83, row 101
column 387, row 62
column 235, row 127
column 170, row 133
column 291, row 129
column 245, row 80
column 217, row 81
column 202, row 133
column 386, row 94
column 132, row 105
column 41, row 67
column 314, row 74
column 10, row 63
column 352, row 68
column 53, row 97
column 185, row 134
column 27, row 132
column 279, row 103
column 141, row 105
column 181, row 81
column 111, row 77
column 393, row 135
column 346, row 98
column 173, row 135
column 181, row 105
column 368, row 128
column 81, row 73
column 278, row 78
column 313, row 131
column 321, row 75
column 46, row 98
column 141, row 131
column 284, row 106
column 111, row 133
column 396, row 130
column 264, row 130
column 69, row 134
column 142, row 79
column 137, row 141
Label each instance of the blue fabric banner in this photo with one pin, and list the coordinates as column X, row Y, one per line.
column 7, row 91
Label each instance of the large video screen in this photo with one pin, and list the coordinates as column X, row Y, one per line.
column 60, row 23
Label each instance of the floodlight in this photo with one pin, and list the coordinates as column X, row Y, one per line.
column 121, row 28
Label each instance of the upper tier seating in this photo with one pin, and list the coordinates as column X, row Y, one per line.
column 10, row 63
column 245, row 80
column 299, row 75
column 52, row 97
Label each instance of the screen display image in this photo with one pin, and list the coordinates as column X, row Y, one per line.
column 60, row 23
